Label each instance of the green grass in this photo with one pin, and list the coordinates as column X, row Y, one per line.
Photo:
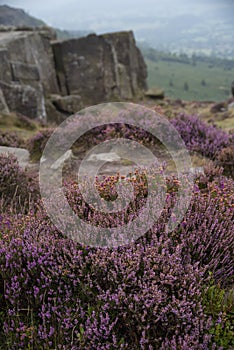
column 227, row 124
column 13, row 122
column 171, row 76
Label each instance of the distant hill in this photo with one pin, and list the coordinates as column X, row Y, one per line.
column 10, row 16
column 70, row 34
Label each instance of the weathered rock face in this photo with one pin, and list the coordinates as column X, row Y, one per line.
column 85, row 67
column 130, row 67
column 60, row 107
column 21, row 98
column 27, row 60
column 100, row 68
column 5, row 68
column 44, row 78
column 3, row 106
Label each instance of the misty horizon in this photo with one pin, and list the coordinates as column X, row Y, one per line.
column 201, row 26
column 103, row 16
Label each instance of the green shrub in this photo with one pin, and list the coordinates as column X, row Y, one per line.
column 219, row 304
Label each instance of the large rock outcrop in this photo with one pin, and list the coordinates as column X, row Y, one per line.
column 27, row 66
column 100, row 68
column 48, row 79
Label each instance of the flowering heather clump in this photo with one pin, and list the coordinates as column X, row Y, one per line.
column 113, row 131
column 10, row 139
column 151, row 294
column 207, row 229
column 165, row 290
column 11, row 175
column 16, row 187
column 107, row 190
column 57, row 294
column 225, row 159
column 200, row 137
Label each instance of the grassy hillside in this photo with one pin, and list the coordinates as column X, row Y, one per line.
column 205, row 79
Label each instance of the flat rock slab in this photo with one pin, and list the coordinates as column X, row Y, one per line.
column 156, row 93
column 105, row 157
column 111, row 163
column 21, row 154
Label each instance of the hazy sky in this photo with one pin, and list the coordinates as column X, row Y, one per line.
column 104, row 15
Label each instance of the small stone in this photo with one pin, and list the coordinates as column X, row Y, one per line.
column 107, row 157
column 21, row 154
column 156, row 93
column 67, row 104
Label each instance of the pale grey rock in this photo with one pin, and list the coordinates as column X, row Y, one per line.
column 27, row 59
column 197, row 170
column 106, row 157
column 67, row 104
column 100, row 68
column 21, row 98
column 53, row 115
column 129, row 64
column 85, row 71
column 85, row 67
column 21, row 154
column 31, row 48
